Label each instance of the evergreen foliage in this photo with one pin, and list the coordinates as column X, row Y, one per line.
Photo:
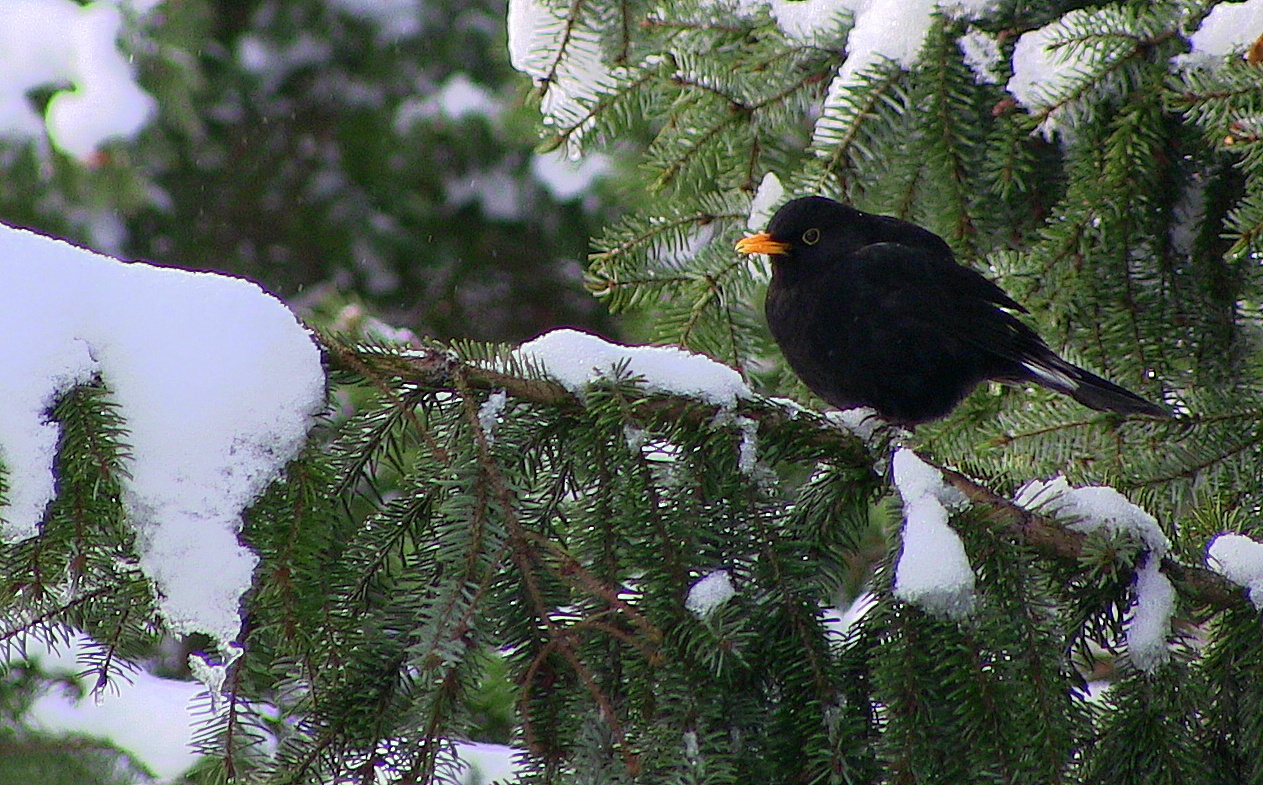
column 426, row 541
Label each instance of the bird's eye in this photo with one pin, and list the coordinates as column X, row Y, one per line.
column 811, row 236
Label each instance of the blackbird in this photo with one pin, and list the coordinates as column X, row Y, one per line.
column 873, row 311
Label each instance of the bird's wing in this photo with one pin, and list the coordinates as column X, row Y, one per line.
column 973, row 284
column 933, row 294
column 893, row 231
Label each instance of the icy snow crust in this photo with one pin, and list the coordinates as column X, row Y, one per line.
column 217, row 384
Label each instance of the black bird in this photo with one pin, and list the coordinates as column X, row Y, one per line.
column 873, row 311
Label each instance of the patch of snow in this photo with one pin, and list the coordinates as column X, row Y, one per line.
column 1150, row 623
column 49, row 43
column 810, row 21
column 497, row 190
column 982, row 54
column 150, row 717
column 156, row 720
column 839, row 621
column 1050, row 65
column 576, row 359
column 394, row 18
column 769, row 197
column 480, row 762
column 566, row 177
column 883, row 30
column 635, row 437
column 1227, row 29
column 273, row 62
column 490, row 412
column 573, row 78
column 216, row 381
column 933, row 570
column 862, row 421
column 1239, row 559
column 458, row 98
column 748, row 448
column 968, row 9
column 1093, row 508
column 709, row 592
column 1188, row 214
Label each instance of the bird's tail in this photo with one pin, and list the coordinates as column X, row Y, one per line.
column 1089, row 389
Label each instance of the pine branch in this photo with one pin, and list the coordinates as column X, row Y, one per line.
column 437, row 370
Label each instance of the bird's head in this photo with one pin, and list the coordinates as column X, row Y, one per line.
column 810, row 228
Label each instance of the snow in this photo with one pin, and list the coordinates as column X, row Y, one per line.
column 1039, row 71
column 968, row 9
column 1239, row 559
column 839, row 621
column 1048, row 68
column 576, row 359
column 274, row 62
column 982, row 54
column 566, row 177
column 461, row 97
column 635, row 437
column 748, row 447
column 883, row 30
column 933, row 570
column 480, row 762
column 1150, row 623
column 809, row 20
column 457, row 99
column 709, row 592
column 148, row 716
column 537, row 31
column 490, row 412
column 156, row 719
column 497, row 190
column 1229, row 28
column 1093, row 508
column 863, row 421
column 53, row 42
column 1188, row 214
column 766, row 199
column 217, row 384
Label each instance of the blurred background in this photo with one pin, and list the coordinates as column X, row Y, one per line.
column 374, row 154
column 367, row 161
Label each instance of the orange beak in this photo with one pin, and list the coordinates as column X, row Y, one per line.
column 762, row 243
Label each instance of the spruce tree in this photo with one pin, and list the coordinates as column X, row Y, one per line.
column 657, row 568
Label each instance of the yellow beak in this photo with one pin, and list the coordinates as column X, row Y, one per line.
column 762, row 243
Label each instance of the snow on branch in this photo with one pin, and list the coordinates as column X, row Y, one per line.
column 216, row 383
column 1239, row 559
column 1099, row 508
column 439, row 370
column 933, row 570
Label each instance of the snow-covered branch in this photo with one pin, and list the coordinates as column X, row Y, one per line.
column 438, row 369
